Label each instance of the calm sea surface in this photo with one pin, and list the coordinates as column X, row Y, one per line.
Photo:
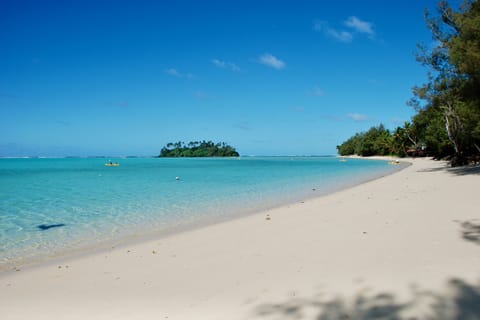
column 52, row 207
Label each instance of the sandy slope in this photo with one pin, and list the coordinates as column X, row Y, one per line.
column 401, row 246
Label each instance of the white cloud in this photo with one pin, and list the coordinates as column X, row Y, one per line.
column 339, row 35
column 360, row 26
column 225, row 65
column 272, row 61
column 316, row 91
column 175, row 73
column 356, row 25
column 342, row 36
column 219, row 63
column 357, row 116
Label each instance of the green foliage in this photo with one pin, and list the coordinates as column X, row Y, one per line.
column 464, row 45
column 349, row 147
column 430, row 125
column 198, row 149
column 447, row 122
column 451, row 96
column 405, row 139
column 376, row 141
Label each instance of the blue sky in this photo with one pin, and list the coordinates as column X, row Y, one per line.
column 268, row 77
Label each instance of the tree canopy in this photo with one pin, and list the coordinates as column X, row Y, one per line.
column 198, row 149
column 375, row 141
column 447, row 123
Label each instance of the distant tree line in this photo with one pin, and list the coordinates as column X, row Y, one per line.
column 375, row 141
column 198, row 149
column 447, row 123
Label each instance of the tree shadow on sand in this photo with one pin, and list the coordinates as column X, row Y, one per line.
column 460, row 300
column 471, row 231
column 458, row 171
column 363, row 306
column 465, row 170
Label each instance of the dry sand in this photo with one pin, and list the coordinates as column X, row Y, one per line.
column 406, row 245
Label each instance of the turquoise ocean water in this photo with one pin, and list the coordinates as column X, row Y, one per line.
column 52, row 207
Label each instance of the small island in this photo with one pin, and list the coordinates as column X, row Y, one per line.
column 196, row 149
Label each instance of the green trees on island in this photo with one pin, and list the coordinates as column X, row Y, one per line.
column 447, row 123
column 375, row 141
column 378, row 140
column 198, row 149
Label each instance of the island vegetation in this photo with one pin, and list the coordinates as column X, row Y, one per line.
column 198, row 149
column 447, row 119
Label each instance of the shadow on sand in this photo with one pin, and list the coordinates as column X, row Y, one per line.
column 471, row 231
column 460, row 300
column 459, row 171
column 465, row 170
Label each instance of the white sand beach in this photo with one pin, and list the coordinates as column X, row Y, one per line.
column 401, row 247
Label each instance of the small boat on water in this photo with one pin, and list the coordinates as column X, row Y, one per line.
column 112, row 164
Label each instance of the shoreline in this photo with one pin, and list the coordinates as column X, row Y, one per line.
column 126, row 239
column 412, row 236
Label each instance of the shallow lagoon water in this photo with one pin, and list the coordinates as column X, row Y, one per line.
column 51, row 207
